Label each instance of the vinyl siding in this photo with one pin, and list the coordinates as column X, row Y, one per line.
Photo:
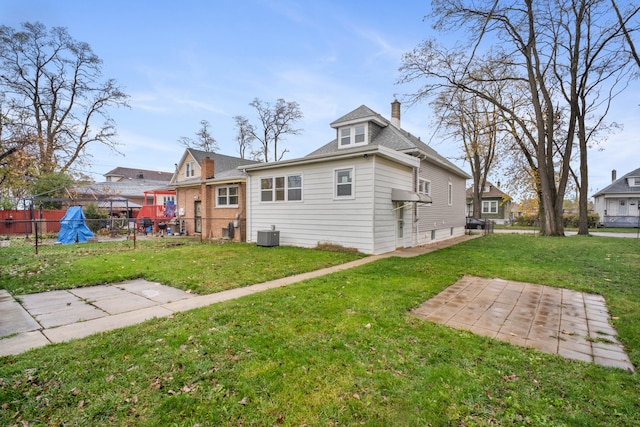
column 319, row 217
column 436, row 222
column 366, row 222
column 388, row 176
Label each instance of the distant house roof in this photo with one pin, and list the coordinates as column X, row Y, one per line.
column 621, row 185
column 128, row 188
column 120, row 174
column 389, row 136
column 493, row 193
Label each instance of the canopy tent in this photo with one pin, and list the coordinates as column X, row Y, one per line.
column 73, row 229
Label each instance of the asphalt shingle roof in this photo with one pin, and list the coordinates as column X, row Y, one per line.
column 225, row 167
column 133, row 173
column 621, row 186
column 389, row 136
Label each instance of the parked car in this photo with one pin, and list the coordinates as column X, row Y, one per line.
column 476, row 224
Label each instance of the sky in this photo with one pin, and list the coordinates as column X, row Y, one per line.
column 188, row 61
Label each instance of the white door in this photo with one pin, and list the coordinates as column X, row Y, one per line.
column 623, row 208
column 400, row 225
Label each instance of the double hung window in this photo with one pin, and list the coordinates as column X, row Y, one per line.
column 344, row 181
column 227, row 196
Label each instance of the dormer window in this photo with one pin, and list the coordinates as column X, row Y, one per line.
column 634, row 181
column 353, row 136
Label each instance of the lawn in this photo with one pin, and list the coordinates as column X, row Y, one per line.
column 184, row 263
column 343, row 350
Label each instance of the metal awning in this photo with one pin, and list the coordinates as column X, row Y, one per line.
column 407, row 196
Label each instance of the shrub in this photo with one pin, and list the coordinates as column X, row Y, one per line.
column 94, row 216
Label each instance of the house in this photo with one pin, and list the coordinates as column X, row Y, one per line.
column 375, row 188
column 126, row 190
column 495, row 205
column 210, row 192
column 618, row 204
column 120, row 174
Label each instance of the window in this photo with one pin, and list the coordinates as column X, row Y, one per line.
column 424, row 186
column 450, row 195
column 352, row 136
column 294, row 187
column 345, row 136
column 228, row 196
column 490, row 207
column 190, row 170
column 281, row 188
column 166, row 199
column 634, row 181
column 344, row 183
column 266, row 189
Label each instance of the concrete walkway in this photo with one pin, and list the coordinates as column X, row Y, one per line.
column 36, row 320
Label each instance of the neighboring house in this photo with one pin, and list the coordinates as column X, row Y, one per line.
column 127, row 188
column 211, row 195
column 375, row 188
column 618, row 204
column 120, row 174
column 495, row 205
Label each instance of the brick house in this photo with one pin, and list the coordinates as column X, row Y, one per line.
column 211, row 195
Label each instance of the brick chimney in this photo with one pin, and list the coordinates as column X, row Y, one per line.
column 207, row 168
column 395, row 113
column 614, row 175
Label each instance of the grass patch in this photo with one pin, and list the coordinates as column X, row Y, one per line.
column 187, row 264
column 343, row 350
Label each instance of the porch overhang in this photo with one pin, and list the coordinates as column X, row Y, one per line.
column 406, row 196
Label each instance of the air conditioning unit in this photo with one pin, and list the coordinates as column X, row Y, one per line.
column 268, row 238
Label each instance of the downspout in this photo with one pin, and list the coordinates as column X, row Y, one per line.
column 414, row 211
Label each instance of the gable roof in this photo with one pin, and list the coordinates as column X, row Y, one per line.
column 494, row 192
column 389, row 136
column 360, row 114
column 621, row 185
column 135, row 173
column 225, row 167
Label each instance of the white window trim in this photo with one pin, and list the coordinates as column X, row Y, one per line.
column 189, row 169
column 487, row 206
column 286, row 188
column 353, row 183
column 352, row 136
column 428, row 182
column 227, row 206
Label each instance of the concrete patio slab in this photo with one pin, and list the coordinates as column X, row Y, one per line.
column 15, row 319
column 559, row 321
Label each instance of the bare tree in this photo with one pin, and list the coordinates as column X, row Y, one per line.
column 590, row 69
column 475, row 122
column 204, row 141
column 623, row 21
column 245, row 136
column 276, row 121
column 522, row 52
column 54, row 86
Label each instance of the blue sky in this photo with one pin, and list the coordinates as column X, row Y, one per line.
column 183, row 62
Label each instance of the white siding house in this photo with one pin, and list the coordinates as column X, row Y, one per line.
column 375, row 188
column 618, row 204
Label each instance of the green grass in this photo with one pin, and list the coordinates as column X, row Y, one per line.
column 343, row 350
column 183, row 263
